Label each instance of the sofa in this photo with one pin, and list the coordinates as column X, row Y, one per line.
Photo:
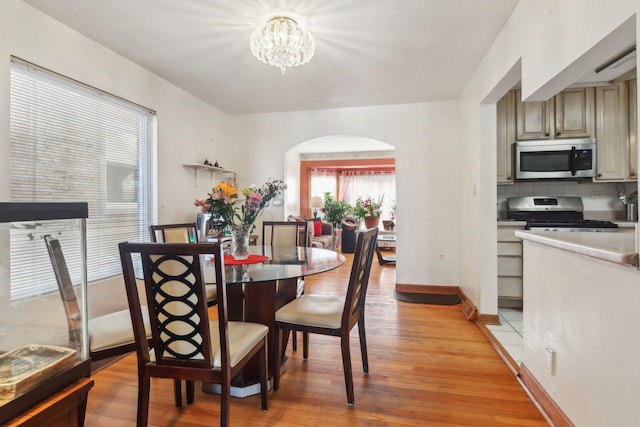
column 319, row 234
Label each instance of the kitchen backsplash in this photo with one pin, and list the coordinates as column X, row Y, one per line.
column 600, row 200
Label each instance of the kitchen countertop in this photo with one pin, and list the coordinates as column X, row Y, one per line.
column 614, row 247
column 511, row 222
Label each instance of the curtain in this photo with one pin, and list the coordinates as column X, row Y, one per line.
column 369, row 184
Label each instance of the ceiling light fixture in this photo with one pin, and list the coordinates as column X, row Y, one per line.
column 281, row 42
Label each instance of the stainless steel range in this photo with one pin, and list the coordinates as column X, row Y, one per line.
column 561, row 213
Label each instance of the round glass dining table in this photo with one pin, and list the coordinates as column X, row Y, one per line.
column 256, row 291
column 282, row 263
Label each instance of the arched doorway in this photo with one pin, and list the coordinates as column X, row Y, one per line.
column 336, row 154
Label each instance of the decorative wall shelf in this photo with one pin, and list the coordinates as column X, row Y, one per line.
column 212, row 171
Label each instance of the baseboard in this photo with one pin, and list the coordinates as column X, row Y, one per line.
column 426, row 289
column 504, row 354
column 550, row 410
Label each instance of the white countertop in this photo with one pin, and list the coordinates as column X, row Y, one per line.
column 614, row 247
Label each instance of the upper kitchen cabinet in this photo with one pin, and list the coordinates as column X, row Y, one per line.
column 570, row 114
column 612, row 134
column 506, row 136
column 574, row 113
column 533, row 119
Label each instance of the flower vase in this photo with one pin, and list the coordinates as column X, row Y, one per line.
column 371, row 222
column 240, row 241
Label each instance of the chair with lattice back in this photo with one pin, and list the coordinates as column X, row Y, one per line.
column 186, row 345
column 181, row 233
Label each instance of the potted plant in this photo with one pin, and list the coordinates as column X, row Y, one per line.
column 334, row 210
column 372, row 209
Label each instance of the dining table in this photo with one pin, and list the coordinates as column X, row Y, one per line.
column 258, row 287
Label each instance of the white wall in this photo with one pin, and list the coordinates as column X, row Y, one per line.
column 425, row 138
column 552, row 43
column 584, row 310
column 188, row 128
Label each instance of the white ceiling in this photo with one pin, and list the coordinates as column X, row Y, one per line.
column 368, row 52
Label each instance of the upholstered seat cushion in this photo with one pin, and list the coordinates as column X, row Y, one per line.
column 243, row 336
column 211, row 292
column 323, row 311
column 323, row 241
column 113, row 330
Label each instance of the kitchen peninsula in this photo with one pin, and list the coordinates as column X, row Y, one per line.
column 582, row 293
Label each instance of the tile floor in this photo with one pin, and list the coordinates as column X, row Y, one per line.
column 509, row 333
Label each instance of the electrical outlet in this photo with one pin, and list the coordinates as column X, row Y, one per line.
column 550, row 360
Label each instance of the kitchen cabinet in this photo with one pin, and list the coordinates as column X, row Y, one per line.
column 509, row 264
column 612, row 133
column 569, row 114
column 506, row 136
column 632, row 87
column 533, row 119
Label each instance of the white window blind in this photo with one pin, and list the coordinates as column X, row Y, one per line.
column 73, row 143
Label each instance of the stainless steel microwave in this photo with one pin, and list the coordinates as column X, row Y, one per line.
column 556, row 158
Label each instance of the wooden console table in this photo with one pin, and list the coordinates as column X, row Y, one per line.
column 64, row 409
column 386, row 242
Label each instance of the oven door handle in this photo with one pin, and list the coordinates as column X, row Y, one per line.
column 573, row 164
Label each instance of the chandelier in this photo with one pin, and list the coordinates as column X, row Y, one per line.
column 281, row 42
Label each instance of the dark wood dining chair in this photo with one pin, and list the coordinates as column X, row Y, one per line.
column 287, row 233
column 174, row 233
column 181, row 233
column 109, row 335
column 185, row 344
column 331, row 315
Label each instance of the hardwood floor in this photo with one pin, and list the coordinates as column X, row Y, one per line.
column 428, row 366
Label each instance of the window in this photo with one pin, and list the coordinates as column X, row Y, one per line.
column 323, row 181
column 373, row 184
column 73, row 143
column 354, row 183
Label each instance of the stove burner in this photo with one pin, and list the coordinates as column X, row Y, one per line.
column 577, row 224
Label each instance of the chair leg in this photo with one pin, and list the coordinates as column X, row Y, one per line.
column 144, row 388
column 263, row 375
column 278, row 362
column 305, row 345
column 191, row 391
column 177, row 392
column 294, row 341
column 363, row 345
column 346, row 364
column 225, row 398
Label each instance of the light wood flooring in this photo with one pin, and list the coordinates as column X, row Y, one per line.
column 428, row 366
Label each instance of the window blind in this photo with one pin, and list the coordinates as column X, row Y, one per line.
column 70, row 143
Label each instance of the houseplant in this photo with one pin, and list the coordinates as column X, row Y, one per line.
column 372, row 209
column 239, row 215
column 334, row 210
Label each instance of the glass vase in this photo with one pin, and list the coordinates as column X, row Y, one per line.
column 240, row 241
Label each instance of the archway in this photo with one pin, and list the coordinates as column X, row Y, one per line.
column 345, row 151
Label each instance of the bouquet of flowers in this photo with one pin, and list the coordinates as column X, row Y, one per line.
column 223, row 202
column 370, row 206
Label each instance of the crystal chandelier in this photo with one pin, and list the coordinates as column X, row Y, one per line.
column 281, row 42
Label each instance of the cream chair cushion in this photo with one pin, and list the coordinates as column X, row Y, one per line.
column 324, row 311
column 242, row 337
column 211, row 292
column 114, row 329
